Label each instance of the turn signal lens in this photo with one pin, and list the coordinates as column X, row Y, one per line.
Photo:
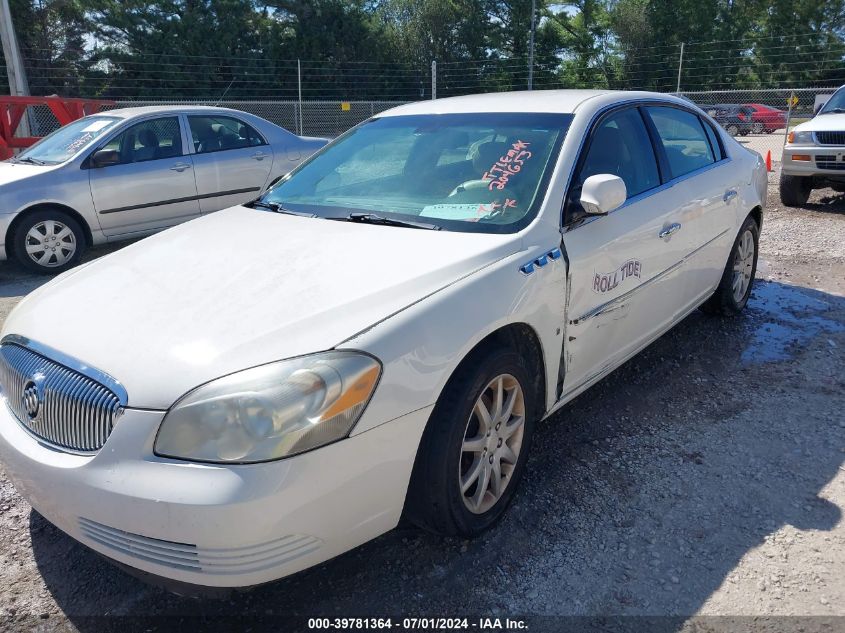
column 801, row 157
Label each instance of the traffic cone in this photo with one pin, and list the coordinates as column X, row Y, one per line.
column 769, row 160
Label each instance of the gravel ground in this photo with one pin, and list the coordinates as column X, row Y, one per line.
column 704, row 477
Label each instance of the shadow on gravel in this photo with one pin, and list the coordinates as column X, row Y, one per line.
column 832, row 204
column 641, row 496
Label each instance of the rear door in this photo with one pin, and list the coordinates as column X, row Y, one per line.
column 153, row 185
column 232, row 161
column 625, row 283
column 705, row 185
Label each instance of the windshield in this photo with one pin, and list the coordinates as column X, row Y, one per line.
column 461, row 172
column 835, row 104
column 67, row 141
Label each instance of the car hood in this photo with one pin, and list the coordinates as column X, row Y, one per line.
column 12, row 172
column 237, row 289
column 832, row 122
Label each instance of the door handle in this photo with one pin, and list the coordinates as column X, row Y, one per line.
column 730, row 194
column 180, row 167
column 669, row 230
column 258, row 156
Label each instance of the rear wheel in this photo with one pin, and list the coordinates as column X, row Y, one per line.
column 475, row 447
column 734, row 289
column 795, row 190
column 732, row 130
column 757, row 128
column 48, row 242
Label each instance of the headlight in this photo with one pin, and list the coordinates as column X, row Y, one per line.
column 271, row 411
column 800, row 138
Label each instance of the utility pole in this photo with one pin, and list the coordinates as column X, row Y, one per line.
column 14, row 65
column 18, row 85
column 299, row 89
column 680, row 67
column 531, row 45
column 433, row 79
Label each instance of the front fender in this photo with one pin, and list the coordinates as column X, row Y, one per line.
column 422, row 346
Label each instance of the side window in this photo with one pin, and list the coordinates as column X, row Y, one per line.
column 684, row 140
column 714, row 140
column 219, row 133
column 149, row 140
column 620, row 145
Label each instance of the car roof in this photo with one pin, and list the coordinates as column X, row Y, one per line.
column 126, row 113
column 554, row 101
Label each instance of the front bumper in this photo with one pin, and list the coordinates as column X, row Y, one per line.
column 210, row 525
column 827, row 161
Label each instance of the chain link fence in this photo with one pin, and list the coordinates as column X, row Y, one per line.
column 758, row 118
column 309, row 118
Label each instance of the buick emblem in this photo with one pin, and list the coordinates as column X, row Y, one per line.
column 31, row 400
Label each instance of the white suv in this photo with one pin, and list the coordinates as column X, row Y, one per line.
column 814, row 155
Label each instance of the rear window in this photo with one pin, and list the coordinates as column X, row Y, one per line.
column 684, row 139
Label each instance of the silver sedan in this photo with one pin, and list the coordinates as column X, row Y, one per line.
column 131, row 172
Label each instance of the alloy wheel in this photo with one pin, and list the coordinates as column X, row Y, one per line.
column 492, row 443
column 743, row 266
column 50, row 243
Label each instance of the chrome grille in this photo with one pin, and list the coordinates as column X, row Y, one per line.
column 830, row 138
column 58, row 404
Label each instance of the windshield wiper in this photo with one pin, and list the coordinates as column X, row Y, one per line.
column 30, row 160
column 833, row 111
column 277, row 208
column 373, row 218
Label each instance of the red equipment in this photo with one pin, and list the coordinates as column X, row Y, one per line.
column 65, row 110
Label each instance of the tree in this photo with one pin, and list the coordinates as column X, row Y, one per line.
column 51, row 35
column 180, row 48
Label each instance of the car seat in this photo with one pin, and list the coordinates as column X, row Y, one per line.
column 149, row 146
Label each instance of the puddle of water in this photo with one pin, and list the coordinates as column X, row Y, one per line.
column 792, row 316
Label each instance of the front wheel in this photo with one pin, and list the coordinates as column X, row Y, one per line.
column 48, row 242
column 474, row 450
column 734, row 289
column 757, row 128
column 795, row 190
column 732, row 130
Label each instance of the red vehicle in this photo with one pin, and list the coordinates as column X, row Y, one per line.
column 765, row 118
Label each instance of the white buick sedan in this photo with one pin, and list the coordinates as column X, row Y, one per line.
column 254, row 392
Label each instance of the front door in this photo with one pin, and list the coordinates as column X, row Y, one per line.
column 625, row 283
column 232, row 161
column 152, row 187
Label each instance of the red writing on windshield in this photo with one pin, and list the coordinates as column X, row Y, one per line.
column 494, row 207
column 507, row 165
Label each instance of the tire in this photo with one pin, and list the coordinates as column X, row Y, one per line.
column 732, row 130
column 732, row 295
column 795, row 190
column 757, row 128
column 48, row 242
column 435, row 500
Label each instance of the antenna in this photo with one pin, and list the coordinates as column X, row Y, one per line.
column 225, row 92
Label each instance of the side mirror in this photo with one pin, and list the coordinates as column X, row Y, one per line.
column 602, row 193
column 105, row 157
